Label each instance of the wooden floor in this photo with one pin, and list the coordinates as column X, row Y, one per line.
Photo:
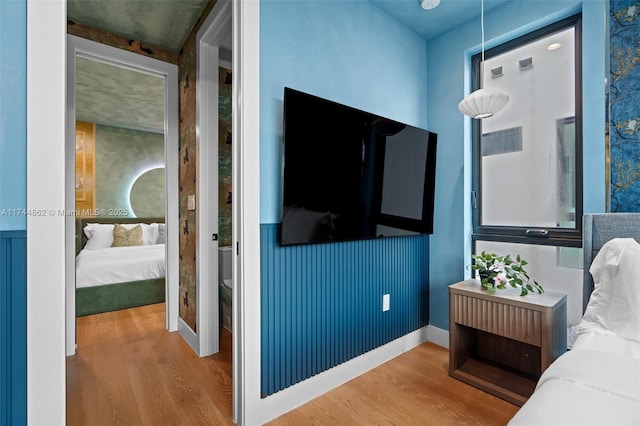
column 128, row 370
column 411, row 389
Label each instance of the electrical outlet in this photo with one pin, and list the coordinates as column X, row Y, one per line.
column 386, row 299
column 191, row 202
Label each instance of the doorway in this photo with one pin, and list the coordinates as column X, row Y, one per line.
column 90, row 54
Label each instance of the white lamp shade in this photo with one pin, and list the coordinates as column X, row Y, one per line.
column 483, row 103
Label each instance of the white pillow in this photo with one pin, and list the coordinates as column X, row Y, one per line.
column 100, row 235
column 153, row 233
column 614, row 305
column 162, row 234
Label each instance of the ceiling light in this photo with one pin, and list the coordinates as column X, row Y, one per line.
column 554, row 46
column 483, row 103
column 429, row 4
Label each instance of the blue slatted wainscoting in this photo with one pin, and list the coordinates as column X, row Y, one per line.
column 13, row 327
column 321, row 305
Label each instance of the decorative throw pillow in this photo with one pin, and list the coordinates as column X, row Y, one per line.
column 123, row 237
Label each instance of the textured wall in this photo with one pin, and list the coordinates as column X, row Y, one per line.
column 624, row 125
column 121, row 156
column 119, row 97
column 187, row 174
column 224, row 157
column 147, row 194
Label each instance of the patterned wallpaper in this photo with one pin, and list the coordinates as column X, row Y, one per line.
column 624, row 125
column 187, row 182
column 187, row 174
column 224, row 157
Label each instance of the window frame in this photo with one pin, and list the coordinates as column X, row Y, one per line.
column 553, row 236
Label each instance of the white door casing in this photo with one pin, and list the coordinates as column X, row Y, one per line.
column 206, row 340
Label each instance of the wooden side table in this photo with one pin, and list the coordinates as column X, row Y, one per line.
column 502, row 342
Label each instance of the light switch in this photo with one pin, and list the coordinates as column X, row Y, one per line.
column 191, row 202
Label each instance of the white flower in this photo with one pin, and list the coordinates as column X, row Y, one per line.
column 632, row 125
column 497, row 266
column 500, row 279
column 631, row 11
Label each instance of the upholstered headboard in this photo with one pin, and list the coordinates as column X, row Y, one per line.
column 597, row 229
column 81, row 238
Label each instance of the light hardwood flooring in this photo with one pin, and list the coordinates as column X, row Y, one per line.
column 128, row 370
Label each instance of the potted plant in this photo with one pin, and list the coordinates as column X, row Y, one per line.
column 501, row 271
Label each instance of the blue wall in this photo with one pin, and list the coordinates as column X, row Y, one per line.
column 13, row 327
column 448, row 82
column 13, row 198
column 353, row 53
column 346, row 51
column 13, row 113
column 322, row 304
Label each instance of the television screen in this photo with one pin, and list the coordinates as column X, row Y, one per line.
column 352, row 175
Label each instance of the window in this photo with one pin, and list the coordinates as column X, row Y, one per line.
column 527, row 159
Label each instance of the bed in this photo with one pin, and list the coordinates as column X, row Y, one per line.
column 597, row 382
column 113, row 278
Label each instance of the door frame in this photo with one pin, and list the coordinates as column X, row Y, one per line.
column 46, row 82
column 79, row 47
column 206, row 340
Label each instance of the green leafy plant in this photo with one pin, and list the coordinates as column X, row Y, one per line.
column 498, row 272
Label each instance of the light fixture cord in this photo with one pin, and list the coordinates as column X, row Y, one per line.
column 482, row 30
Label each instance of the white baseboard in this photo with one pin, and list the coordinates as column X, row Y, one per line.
column 438, row 336
column 300, row 393
column 188, row 335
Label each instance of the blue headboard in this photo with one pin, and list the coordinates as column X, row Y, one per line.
column 599, row 228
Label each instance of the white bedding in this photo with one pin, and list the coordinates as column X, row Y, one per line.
column 119, row 264
column 596, row 383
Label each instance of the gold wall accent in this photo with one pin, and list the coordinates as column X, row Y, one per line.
column 85, row 168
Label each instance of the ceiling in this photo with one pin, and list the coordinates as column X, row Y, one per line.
column 161, row 23
column 167, row 23
column 114, row 96
column 119, row 97
column 431, row 23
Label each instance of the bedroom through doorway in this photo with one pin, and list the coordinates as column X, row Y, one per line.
column 119, row 187
column 121, row 183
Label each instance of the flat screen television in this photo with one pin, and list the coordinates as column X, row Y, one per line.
column 353, row 175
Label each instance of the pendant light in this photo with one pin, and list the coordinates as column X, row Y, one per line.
column 483, row 103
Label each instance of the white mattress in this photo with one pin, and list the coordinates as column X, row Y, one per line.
column 119, row 264
column 596, row 383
